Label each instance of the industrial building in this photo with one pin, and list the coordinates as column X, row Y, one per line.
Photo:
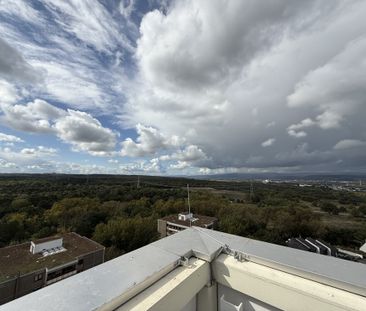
column 206, row 270
column 27, row 267
column 174, row 223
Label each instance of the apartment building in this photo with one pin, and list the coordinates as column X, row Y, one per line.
column 27, row 267
column 174, row 223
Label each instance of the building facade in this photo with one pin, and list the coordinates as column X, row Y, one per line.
column 30, row 266
column 174, row 223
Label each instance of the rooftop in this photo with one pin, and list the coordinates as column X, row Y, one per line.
column 18, row 258
column 198, row 220
column 199, row 269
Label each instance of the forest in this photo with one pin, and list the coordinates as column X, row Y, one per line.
column 121, row 212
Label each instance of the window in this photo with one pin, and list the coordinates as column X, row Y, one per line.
column 38, row 277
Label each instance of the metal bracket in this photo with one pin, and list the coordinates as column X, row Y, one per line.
column 240, row 256
column 183, row 261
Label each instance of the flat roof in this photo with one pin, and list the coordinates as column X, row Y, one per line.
column 200, row 220
column 117, row 280
column 17, row 259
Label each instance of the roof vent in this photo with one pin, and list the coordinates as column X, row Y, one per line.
column 185, row 216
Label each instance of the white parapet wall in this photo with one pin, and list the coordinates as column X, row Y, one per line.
column 198, row 270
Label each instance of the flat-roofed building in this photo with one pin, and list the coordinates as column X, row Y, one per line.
column 174, row 223
column 27, row 267
column 206, row 270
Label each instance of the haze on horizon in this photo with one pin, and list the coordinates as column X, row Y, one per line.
column 182, row 87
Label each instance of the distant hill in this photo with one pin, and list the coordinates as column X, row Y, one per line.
column 285, row 176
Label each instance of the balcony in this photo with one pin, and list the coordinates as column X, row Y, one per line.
column 201, row 269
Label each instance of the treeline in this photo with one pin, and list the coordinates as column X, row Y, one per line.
column 122, row 217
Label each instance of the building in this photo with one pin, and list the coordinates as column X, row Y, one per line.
column 174, row 223
column 312, row 245
column 27, row 267
column 200, row 269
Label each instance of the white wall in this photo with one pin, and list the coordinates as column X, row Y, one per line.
column 39, row 247
column 236, row 298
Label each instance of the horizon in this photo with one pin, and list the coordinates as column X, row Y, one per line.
column 159, row 88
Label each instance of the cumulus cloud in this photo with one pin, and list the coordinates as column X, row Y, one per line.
column 24, row 159
column 39, row 151
column 85, row 133
column 36, row 116
column 149, row 141
column 80, row 129
column 10, row 138
column 152, row 166
column 190, row 153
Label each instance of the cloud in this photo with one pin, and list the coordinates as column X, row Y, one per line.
column 152, row 166
column 297, row 67
column 90, row 22
column 10, row 138
column 336, row 87
column 205, row 94
column 85, row 133
column 26, row 159
column 36, row 116
column 5, row 165
column 39, row 151
column 326, row 120
column 269, row 142
column 80, row 129
column 149, row 141
column 190, row 153
column 8, row 92
column 180, row 165
column 22, row 10
column 298, row 134
column 349, row 143
column 14, row 67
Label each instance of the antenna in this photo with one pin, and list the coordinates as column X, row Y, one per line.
column 251, row 190
column 189, row 203
column 189, row 207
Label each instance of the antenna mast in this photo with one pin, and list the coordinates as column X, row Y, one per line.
column 189, row 208
column 251, row 190
column 189, row 203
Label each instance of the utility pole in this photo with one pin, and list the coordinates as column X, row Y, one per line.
column 189, row 207
column 251, row 191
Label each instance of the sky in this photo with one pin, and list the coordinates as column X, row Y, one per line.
column 183, row 87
